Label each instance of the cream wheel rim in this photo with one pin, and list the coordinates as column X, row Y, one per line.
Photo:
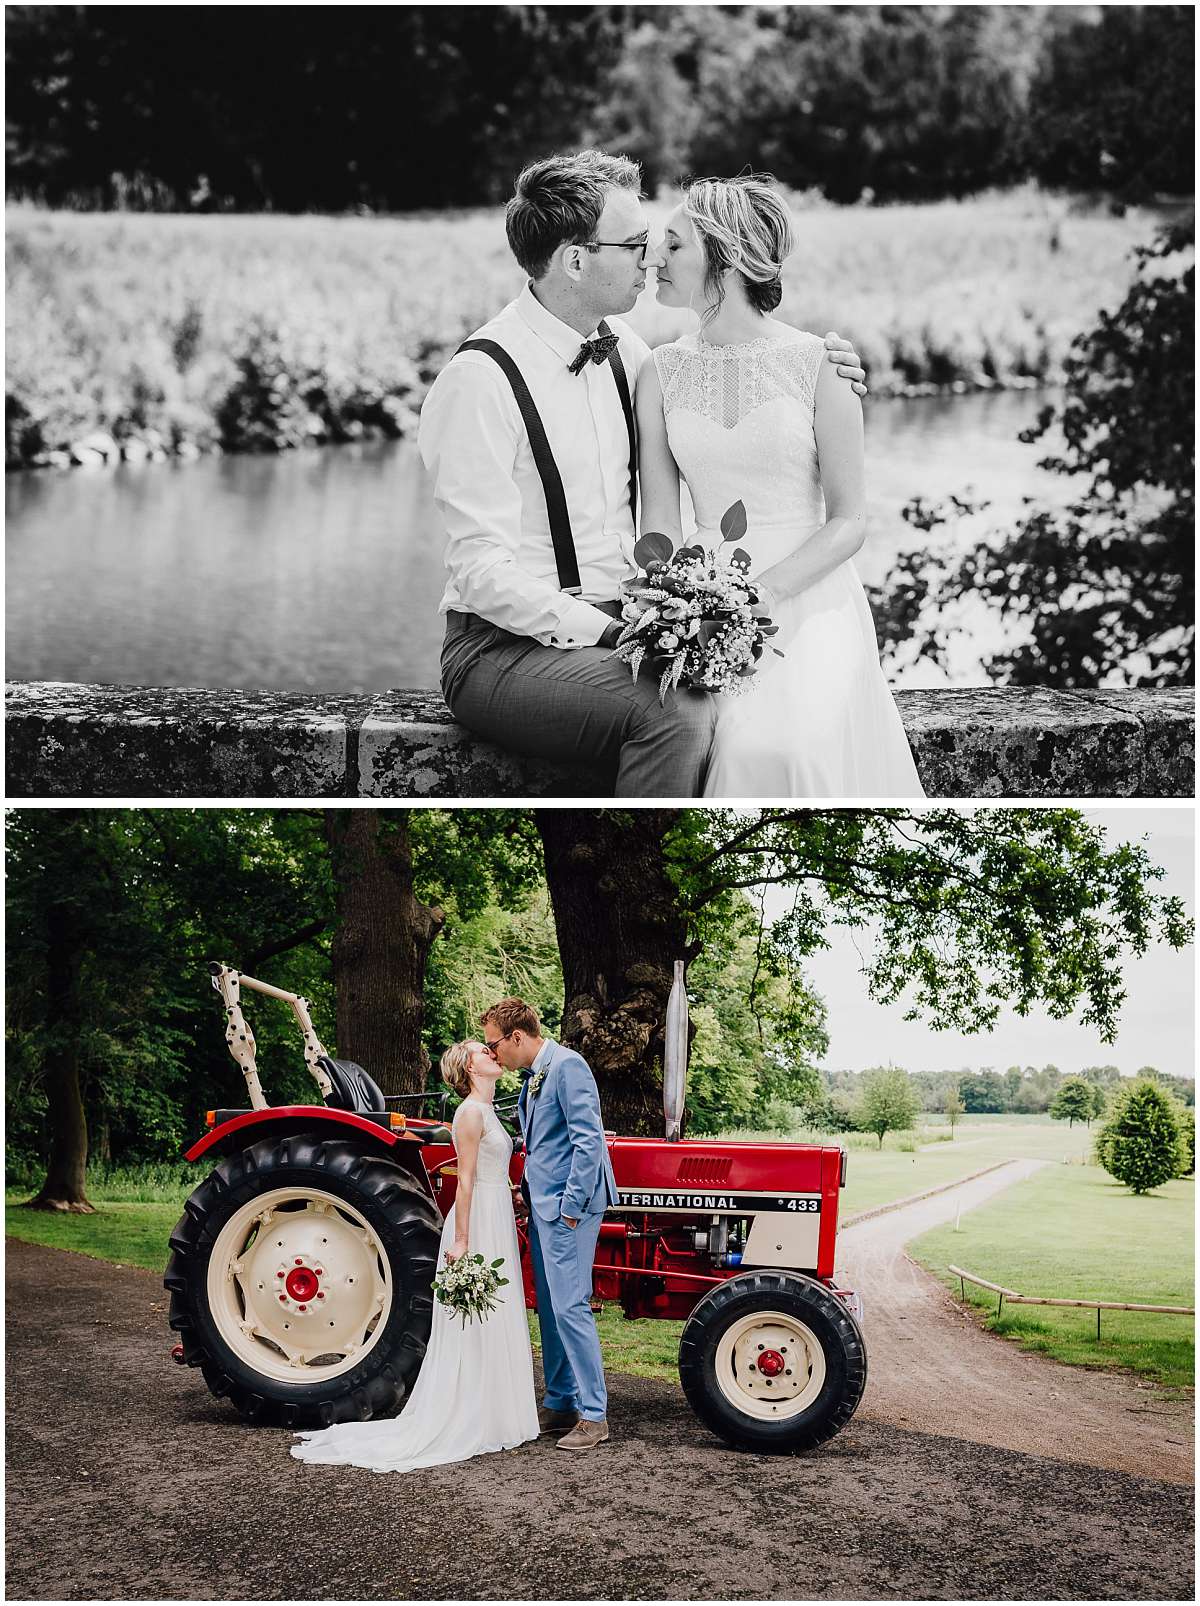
column 299, row 1286
column 770, row 1366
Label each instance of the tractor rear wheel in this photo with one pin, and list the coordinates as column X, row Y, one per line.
column 772, row 1361
column 300, row 1279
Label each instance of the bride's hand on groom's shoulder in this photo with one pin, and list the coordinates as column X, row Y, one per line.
column 843, row 355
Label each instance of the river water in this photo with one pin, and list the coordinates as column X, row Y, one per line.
column 321, row 570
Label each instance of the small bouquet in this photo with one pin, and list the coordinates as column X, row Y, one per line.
column 468, row 1286
column 691, row 617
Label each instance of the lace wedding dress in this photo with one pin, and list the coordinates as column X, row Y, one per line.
column 819, row 722
column 474, row 1392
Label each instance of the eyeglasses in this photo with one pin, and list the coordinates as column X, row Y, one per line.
column 490, row 1048
column 638, row 247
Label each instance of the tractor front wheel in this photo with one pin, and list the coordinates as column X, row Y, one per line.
column 300, row 1279
column 773, row 1361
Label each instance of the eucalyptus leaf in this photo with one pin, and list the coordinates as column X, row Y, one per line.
column 740, row 556
column 733, row 522
column 652, row 546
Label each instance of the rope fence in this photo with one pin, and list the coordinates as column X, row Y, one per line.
column 1097, row 1305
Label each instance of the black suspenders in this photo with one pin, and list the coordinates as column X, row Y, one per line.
column 543, row 458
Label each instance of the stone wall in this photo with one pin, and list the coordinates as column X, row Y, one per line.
column 68, row 740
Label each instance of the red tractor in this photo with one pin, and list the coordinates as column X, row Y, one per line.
column 301, row 1269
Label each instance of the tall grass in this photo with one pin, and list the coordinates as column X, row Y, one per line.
column 187, row 334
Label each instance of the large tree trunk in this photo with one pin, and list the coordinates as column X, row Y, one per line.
column 380, row 948
column 65, row 1187
column 619, row 932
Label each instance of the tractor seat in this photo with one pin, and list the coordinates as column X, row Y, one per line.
column 353, row 1089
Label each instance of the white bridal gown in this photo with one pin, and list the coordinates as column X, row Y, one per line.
column 819, row 722
column 474, row 1392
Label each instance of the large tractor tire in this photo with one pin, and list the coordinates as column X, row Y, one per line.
column 300, row 1280
column 772, row 1361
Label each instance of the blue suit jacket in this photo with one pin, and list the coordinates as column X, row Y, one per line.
column 567, row 1168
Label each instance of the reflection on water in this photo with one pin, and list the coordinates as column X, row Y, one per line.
column 321, row 570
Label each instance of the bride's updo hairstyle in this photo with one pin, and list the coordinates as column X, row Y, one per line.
column 743, row 224
column 456, row 1062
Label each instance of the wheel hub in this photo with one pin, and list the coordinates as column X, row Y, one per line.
column 298, row 1284
column 770, row 1365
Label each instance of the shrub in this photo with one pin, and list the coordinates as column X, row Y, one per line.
column 1141, row 1144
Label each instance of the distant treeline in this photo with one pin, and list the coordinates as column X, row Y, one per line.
column 1019, row 1090
column 394, row 108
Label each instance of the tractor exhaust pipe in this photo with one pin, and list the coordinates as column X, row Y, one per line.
column 675, row 1054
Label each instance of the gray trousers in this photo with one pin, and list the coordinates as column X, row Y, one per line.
column 576, row 706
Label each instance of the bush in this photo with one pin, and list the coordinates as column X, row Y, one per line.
column 1141, row 1144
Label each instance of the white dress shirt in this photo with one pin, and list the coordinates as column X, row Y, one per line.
column 499, row 555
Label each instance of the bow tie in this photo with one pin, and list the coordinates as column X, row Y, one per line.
column 597, row 350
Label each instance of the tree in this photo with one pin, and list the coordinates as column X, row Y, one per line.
column 1073, row 1102
column 758, row 1035
column 962, row 913
column 1113, row 104
column 620, row 929
column 1099, row 1102
column 112, row 915
column 1141, row 1144
column 888, row 1102
column 1103, row 590
column 1187, row 1134
column 953, row 1108
column 381, row 946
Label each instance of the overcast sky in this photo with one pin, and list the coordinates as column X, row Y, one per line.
column 1156, row 1025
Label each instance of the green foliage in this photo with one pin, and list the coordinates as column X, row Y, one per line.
column 759, row 1029
column 1074, row 1101
column 1102, row 591
column 1099, row 1102
column 953, row 1108
column 1187, row 1136
column 1141, row 1144
column 888, row 1102
column 160, row 892
column 967, row 911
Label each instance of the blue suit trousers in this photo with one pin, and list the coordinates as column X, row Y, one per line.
column 562, row 1276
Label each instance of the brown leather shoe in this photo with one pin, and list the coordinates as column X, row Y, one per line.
column 584, row 1436
column 552, row 1421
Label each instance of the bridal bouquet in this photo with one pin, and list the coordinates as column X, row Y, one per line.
column 690, row 617
column 468, row 1287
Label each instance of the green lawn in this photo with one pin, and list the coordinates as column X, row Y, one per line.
column 128, row 1234
column 1071, row 1232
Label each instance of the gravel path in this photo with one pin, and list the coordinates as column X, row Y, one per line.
column 127, row 1481
column 931, row 1366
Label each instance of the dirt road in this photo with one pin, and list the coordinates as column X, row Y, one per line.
column 127, row 1481
column 931, row 1366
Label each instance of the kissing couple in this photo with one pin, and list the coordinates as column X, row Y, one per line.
column 554, row 425
column 475, row 1392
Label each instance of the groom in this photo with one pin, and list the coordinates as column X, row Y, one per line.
column 568, row 1184
column 528, row 433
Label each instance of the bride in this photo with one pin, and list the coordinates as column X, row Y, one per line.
column 747, row 410
column 474, row 1392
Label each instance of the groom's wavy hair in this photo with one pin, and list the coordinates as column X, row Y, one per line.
column 513, row 1015
column 558, row 201
column 744, row 224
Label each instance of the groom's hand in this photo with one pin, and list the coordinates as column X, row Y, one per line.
column 612, row 634
column 843, row 354
column 571, row 1222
